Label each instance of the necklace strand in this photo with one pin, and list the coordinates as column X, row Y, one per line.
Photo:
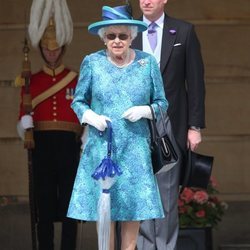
column 127, row 60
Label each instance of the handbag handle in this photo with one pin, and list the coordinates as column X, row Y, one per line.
column 110, row 130
column 153, row 127
column 162, row 118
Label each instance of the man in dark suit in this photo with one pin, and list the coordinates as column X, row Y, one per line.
column 178, row 54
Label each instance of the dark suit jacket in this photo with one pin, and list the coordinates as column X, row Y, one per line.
column 183, row 76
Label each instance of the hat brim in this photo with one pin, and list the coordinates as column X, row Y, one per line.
column 94, row 27
column 198, row 170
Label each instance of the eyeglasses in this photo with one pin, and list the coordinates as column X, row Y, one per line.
column 121, row 36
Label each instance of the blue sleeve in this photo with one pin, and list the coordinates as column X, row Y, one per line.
column 82, row 96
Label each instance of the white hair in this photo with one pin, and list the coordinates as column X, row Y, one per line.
column 133, row 29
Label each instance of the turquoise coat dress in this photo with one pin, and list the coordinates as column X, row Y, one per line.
column 110, row 90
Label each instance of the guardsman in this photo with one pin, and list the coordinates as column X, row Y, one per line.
column 56, row 130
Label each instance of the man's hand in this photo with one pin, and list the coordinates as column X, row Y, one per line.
column 193, row 139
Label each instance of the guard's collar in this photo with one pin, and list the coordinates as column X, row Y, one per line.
column 53, row 72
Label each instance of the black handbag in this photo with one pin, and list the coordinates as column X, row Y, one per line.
column 164, row 149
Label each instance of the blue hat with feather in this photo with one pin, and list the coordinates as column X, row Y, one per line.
column 119, row 15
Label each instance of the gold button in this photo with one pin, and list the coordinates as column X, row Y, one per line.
column 54, row 114
column 54, row 79
column 54, row 97
column 54, row 120
column 54, row 108
column 54, row 102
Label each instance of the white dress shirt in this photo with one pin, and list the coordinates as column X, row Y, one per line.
column 145, row 43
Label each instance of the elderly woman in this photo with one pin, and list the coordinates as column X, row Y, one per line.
column 118, row 84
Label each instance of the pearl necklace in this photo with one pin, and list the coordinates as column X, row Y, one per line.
column 127, row 60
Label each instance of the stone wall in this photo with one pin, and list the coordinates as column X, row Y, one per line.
column 223, row 28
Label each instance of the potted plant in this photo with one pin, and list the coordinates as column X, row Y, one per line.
column 199, row 211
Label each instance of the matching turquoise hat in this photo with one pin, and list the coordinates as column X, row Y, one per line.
column 116, row 16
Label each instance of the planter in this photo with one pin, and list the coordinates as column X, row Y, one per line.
column 195, row 239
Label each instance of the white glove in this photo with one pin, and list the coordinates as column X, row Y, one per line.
column 137, row 112
column 95, row 120
column 27, row 122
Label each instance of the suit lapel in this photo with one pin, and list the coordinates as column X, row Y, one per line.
column 168, row 40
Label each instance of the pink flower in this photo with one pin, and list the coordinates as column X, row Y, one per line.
column 187, row 195
column 200, row 214
column 213, row 182
column 199, row 207
column 182, row 210
column 200, row 197
column 180, row 203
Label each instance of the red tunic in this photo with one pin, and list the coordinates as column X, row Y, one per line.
column 56, row 108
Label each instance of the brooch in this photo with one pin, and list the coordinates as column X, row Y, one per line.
column 142, row 62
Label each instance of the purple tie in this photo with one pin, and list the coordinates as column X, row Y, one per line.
column 152, row 35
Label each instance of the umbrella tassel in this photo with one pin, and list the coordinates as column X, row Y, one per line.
column 104, row 221
column 105, row 173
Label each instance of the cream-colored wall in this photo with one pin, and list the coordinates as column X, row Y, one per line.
column 224, row 31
